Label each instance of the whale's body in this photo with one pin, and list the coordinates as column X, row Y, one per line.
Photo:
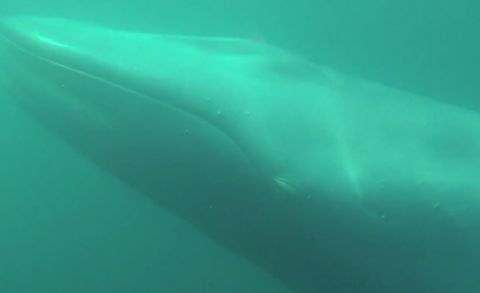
column 330, row 183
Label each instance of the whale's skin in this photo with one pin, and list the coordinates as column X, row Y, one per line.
column 330, row 183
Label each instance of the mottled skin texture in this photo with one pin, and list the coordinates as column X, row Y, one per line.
column 327, row 182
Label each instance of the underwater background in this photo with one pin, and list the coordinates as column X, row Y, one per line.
column 68, row 226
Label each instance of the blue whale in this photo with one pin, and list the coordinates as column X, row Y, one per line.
column 329, row 183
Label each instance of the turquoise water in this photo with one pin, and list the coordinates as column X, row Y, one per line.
column 69, row 226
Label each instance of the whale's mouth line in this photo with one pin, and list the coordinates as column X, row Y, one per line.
column 125, row 89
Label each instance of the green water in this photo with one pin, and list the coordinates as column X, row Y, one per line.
column 68, row 226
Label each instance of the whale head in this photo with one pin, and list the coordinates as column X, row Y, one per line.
column 142, row 104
